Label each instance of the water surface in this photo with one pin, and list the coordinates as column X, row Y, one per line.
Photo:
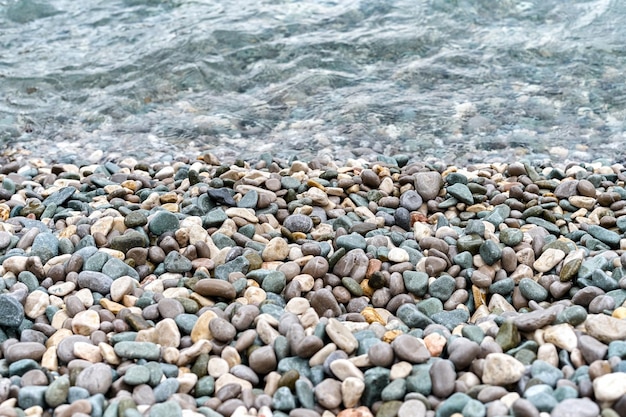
column 464, row 81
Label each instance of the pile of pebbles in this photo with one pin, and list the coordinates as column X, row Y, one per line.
column 283, row 288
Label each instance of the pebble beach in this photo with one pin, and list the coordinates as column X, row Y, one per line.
column 258, row 288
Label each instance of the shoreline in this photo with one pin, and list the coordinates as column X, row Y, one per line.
column 273, row 288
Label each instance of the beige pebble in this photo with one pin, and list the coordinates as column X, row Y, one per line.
column 15, row 264
column 400, row 370
column 502, row 369
column 398, row 255
column 186, row 382
column 200, row 329
column 254, row 295
column 548, row 259
column 88, row 352
column 276, row 249
column 167, row 333
column 297, row 305
column 171, row 355
column 341, row 336
column 57, row 337
column 85, row 296
column 343, row 368
column 361, row 361
column 62, row 289
column 548, row 353
column 309, row 318
column 266, row 332
column 271, row 383
column 244, row 213
column 108, row 353
column 85, row 322
column 562, row 336
column 50, row 360
column 231, row 356
column 147, row 335
column 232, row 379
column 122, row 286
column 190, row 353
column 36, row 304
column 175, row 292
column 610, row 387
column 305, row 281
column 351, row 391
column 102, row 225
column 217, row 367
column 320, row 356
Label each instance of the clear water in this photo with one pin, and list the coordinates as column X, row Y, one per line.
column 464, row 80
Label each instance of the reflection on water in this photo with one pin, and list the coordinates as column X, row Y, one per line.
column 460, row 80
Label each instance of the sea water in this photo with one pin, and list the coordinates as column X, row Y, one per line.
column 458, row 80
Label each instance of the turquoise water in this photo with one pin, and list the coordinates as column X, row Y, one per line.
column 465, row 80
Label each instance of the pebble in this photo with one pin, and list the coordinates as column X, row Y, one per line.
column 383, row 288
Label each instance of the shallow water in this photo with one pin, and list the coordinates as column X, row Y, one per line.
column 463, row 81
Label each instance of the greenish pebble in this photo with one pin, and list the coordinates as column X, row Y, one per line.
column 511, row 236
column 416, row 282
column 214, row 218
column 604, row 235
column 503, row 287
column 412, row 317
column 573, row 315
column 564, row 392
column 239, row 264
column 166, row 409
column 550, row 227
column 376, row 379
column 473, row 333
column 136, row 375
column 394, row 391
column 463, row 259
column 508, row 336
column 31, row 396
column 454, row 404
column 305, row 394
column 420, row 382
column 283, row 399
column 128, row 241
column 163, row 221
column 351, row 241
column 604, row 281
column 525, row 356
column 57, row 391
column 442, row 287
column 590, row 265
column 205, row 386
column 20, row 367
column 165, row 389
column 531, row 290
column 461, row 192
column 135, row 219
column 470, row 243
column 570, row 269
column 451, row 319
column 274, row 282
column 138, row 350
column 490, row 252
column 430, row 306
column 29, row 279
column 351, row 285
column 546, row 372
column 474, row 408
column 497, row 216
column 293, row 363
